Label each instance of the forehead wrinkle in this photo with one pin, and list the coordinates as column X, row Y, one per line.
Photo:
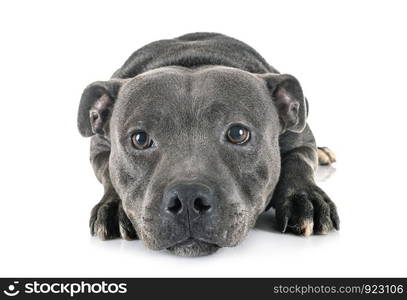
column 155, row 98
column 180, row 99
column 233, row 96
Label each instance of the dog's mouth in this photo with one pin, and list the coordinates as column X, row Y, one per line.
column 193, row 247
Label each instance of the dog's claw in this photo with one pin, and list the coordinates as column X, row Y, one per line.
column 307, row 228
column 326, row 156
column 285, row 223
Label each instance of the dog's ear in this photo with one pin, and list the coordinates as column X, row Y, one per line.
column 286, row 93
column 96, row 106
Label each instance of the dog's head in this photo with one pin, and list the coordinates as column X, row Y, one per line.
column 194, row 152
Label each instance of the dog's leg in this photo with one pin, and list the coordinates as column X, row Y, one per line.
column 300, row 204
column 108, row 219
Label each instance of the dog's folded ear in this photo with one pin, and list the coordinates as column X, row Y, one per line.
column 96, row 106
column 286, row 93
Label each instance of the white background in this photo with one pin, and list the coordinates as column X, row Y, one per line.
column 350, row 57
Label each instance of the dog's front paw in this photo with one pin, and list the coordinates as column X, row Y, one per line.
column 108, row 221
column 305, row 211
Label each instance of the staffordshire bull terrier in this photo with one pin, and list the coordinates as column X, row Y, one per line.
column 193, row 138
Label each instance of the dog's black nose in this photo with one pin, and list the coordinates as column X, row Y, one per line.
column 196, row 198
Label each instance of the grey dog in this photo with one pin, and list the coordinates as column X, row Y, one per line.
column 193, row 138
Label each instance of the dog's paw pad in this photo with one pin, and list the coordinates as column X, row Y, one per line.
column 326, row 156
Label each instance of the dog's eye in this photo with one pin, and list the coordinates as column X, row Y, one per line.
column 141, row 140
column 238, row 134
